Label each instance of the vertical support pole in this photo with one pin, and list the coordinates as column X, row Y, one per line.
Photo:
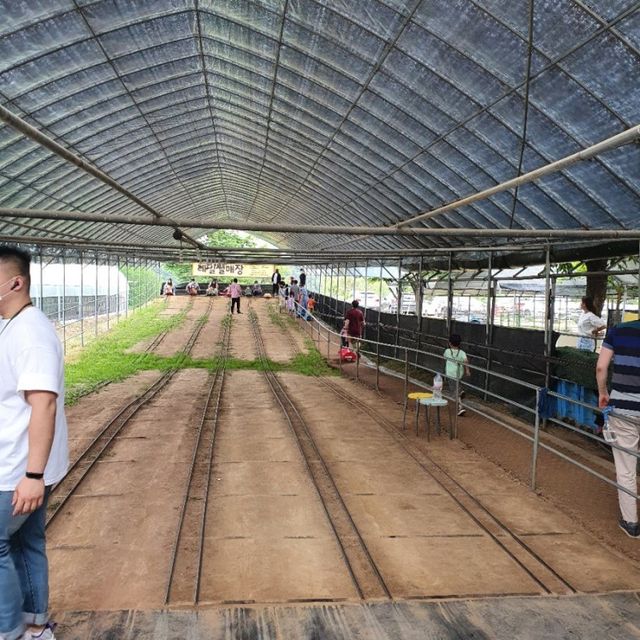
column 346, row 269
column 406, row 376
column 118, row 289
column 378, row 333
column 395, row 351
column 453, row 431
column 82, row 299
column 355, row 267
column 420, row 298
column 450, row 295
column 41, row 283
column 95, row 297
column 145, row 273
column 548, row 325
column 64, row 303
column 126, row 268
column 140, row 292
column 488, row 334
column 339, row 278
column 330, row 322
column 108, row 291
column 419, row 310
column 357, row 360
column 536, row 442
column 366, row 291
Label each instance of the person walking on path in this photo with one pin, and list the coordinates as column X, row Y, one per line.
column 622, row 345
column 235, row 291
column 295, row 289
column 302, row 279
column 302, row 302
column 456, row 365
column 33, row 449
column 276, row 279
column 589, row 325
column 354, row 323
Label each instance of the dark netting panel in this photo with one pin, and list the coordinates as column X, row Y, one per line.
column 298, row 111
column 518, row 354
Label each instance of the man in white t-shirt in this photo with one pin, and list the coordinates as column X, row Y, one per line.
column 33, row 449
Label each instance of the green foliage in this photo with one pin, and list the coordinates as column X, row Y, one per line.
column 144, row 285
column 311, row 363
column 576, row 365
column 229, row 239
column 181, row 271
column 105, row 360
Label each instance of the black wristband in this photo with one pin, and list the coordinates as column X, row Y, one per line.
column 34, row 476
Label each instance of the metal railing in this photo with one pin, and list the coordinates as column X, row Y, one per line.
column 322, row 333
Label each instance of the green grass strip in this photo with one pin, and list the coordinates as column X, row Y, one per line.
column 105, row 360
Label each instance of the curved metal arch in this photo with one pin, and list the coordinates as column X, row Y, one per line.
column 473, row 100
column 548, row 194
column 588, row 195
column 313, row 115
column 532, row 104
column 487, row 107
column 208, row 98
column 131, row 97
column 536, row 49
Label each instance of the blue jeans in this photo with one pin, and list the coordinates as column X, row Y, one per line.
column 24, row 572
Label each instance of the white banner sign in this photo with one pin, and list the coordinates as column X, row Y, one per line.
column 228, row 269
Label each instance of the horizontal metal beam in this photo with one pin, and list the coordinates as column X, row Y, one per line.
column 44, row 140
column 468, row 257
column 630, row 135
column 536, row 234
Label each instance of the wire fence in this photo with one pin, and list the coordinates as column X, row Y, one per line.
column 83, row 294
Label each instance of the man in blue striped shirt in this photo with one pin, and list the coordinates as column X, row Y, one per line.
column 622, row 344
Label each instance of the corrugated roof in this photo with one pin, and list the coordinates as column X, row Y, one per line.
column 333, row 111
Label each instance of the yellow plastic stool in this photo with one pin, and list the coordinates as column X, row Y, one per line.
column 417, row 396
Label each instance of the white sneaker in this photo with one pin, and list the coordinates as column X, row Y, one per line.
column 45, row 634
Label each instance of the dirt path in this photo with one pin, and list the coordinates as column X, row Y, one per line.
column 276, row 333
column 111, row 543
column 268, row 539
column 438, row 519
column 590, row 502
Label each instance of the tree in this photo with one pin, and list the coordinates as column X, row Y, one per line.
column 229, row 239
column 181, row 271
column 597, row 283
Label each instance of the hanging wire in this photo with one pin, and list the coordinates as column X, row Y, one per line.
column 525, row 117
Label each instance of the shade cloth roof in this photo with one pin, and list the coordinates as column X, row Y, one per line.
column 332, row 111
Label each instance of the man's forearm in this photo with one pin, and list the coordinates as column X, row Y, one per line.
column 41, row 432
column 601, row 379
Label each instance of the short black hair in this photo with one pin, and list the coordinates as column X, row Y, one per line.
column 235, row 279
column 19, row 258
column 455, row 340
column 355, row 304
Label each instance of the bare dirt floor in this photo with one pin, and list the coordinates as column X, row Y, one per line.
column 431, row 520
column 588, row 501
